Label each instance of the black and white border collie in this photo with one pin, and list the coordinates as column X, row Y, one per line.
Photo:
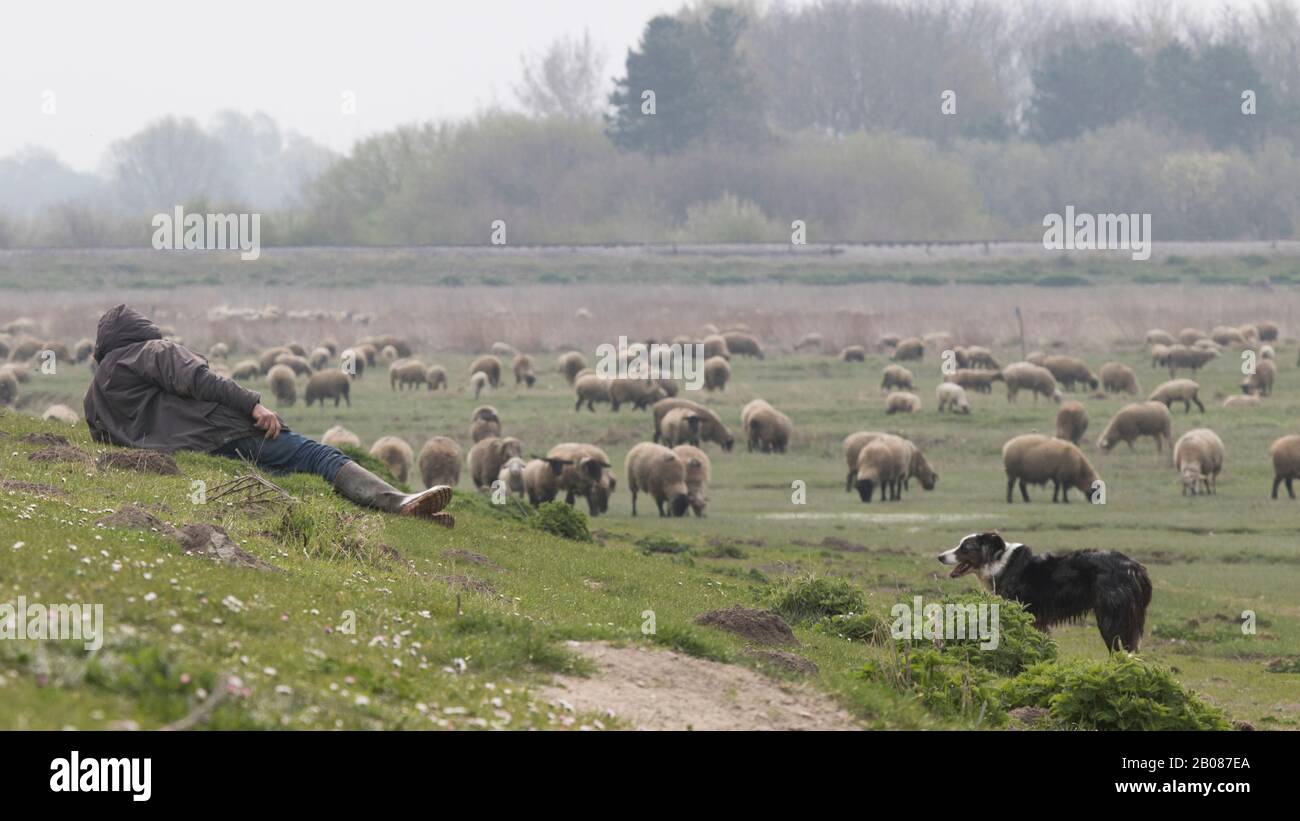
column 1058, row 589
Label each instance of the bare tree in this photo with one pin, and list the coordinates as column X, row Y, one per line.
column 565, row 81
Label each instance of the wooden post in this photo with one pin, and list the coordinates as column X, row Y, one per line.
column 1021, row 321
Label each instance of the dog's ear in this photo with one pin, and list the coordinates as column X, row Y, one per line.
column 994, row 542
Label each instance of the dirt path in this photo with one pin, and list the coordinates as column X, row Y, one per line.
column 663, row 690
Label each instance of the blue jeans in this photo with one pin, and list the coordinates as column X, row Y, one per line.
column 286, row 453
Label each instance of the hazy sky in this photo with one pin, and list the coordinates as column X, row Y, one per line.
column 112, row 67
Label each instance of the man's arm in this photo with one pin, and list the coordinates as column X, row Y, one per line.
column 178, row 370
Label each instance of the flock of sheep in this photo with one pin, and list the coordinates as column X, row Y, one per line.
column 674, row 470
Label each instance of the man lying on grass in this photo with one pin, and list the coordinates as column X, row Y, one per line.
column 151, row 393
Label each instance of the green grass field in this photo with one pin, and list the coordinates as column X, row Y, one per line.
column 1210, row 559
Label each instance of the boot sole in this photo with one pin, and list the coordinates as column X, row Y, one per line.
column 428, row 503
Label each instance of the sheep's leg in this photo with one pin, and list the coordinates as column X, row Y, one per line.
column 1065, row 493
column 1289, row 490
column 659, row 503
column 569, row 497
column 1011, row 484
column 578, row 405
column 848, row 481
column 1024, row 491
column 633, row 501
column 1056, row 491
column 1197, row 400
column 1277, row 480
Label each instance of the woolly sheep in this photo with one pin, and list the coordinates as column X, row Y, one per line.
column 585, row 472
column 395, row 453
column 20, row 371
column 511, row 477
column 1069, row 371
column 8, row 388
column 1034, row 459
column 340, row 437
column 389, row 354
column 268, row 357
column 888, row 341
column 1159, row 337
column 570, row 364
column 1036, row 358
column 1178, row 390
column 717, row 372
column 976, row 358
column 681, row 426
column 478, row 382
column 368, row 352
column 1241, row 401
column 283, row 387
column 523, row 368
column 1071, row 422
column 320, row 357
column 640, row 393
column 1160, row 356
column 882, row 463
column 1136, row 420
column 711, row 428
column 1268, row 331
column 379, row 343
column 484, row 422
column 295, row 348
column 896, row 376
column 902, row 402
column 406, row 372
column 590, row 389
column 716, row 345
column 918, row 467
column 1285, row 453
column 1267, row 352
column 661, row 473
column 436, row 377
column 488, row 455
column 353, row 362
column 1260, row 382
column 300, row 366
column 541, row 480
column 743, row 344
column 978, row 381
column 247, row 369
column 503, row 349
column 331, row 384
column 1198, row 458
column 853, row 445
column 1188, row 336
column 330, row 345
column 908, row 349
column 85, row 348
column 809, row 341
column 1184, row 358
column 1119, row 378
column 853, row 353
column 1227, row 337
column 61, row 413
column 489, row 365
column 1033, row 378
column 952, row 397
column 698, row 470
column 766, row 428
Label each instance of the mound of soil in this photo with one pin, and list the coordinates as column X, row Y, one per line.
column 132, row 516
column 210, row 540
column 45, row 439
column 31, row 487
column 459, row 555
column 788, row 662
column 761, row 626
column 141, row 461
column 459, row 582
column 664, row 690
column 60, row 453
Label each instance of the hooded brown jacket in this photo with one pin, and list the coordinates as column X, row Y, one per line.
column 150, row 393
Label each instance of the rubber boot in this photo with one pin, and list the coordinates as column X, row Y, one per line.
column 356, row 484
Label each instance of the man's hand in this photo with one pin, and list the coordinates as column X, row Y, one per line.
column 265, row 419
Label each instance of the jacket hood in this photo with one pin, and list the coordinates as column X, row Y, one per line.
column 122, row 326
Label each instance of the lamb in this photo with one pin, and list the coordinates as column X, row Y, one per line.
column 1198, row 457
column 511, row 477
column 908, row 349
column 396, row 454
column 436, row 377
column 896, row 376
column 281, row 380
column 1034, row 378
column 711, row 428
column 743, row 344
column 1159, row 337
column 585, row 472
column 320, row 357
column 976, row 358
column 570, row 364
column 1119, row 378
column 523, row 368
column 952, row 397
column 1069, row 371
column 902, row 402
column 640, row 393
column 765, row 427
column 1285, row 453
column 1241, row 401
column 484, row 422
column 8, row 388
column 1071, row 422
column 1036, row 459
column 1193, row 359
column 331, row 384
column 61, row 413
column 479, row 382
column 247, row 369
column 698, row 469
column 407, row 372
column 340, row 437
column 717, row 372
column 1260, row 382
column 489, row 365
column 1178, row 390
column 590, row 389
column 661, row 473
column 882, row 463
column 978, row 381
column 487, row 457
column 853, row 353
column 1135, row 420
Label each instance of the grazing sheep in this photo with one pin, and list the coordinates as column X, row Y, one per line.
column 853, row 353
column 669, row 386
column 590, row 389
column 585, row 472
column 319, row 358
column 283, row 387
column 83, row 350
column 400, row 347
column 1285, row 453
column 407, row 372
column 902, row 402
column 330, row 344
column 353, row 362
column 396, row 454
column 1036, row 358
column 1069, row 371
column 661, row 473
column 247, row 369
column 478, row 382
column 952, row 397
column 541, row 480
column 743, row 344
column 1267, row 352
column 1071, row 422
column 882, row 463
column 976, row 358
column 489, row 365
column 1036, row 379
column 1178, row 390
column 1241, row 401
column 1135, row 420
column 488, row 455
column 896, row 376
column 217, row 350
column 511, row 477
column 809, row 341
column 681, row 426
column 1260, row 382
column 717, row 372
column 368, row 352
column 389, row 354
column 908, row 349
column 1119, row 378
column 888, row 341
column 484, row 422
column 61, row 413
column 523, row 368
column 711, row 428
column 295, row 348
column 18, row 370
column 716, row 345
column 300, row 366
column 330, row 384
column 765, row 427
column 640, row 393
column 570, row 364
column 853, row 445
column 978, row 381
column 8, row 388
column 1227, row 337
column 1184, row 358
column 1160, row 356
column 698, row 470
column 918, row 467
column 1034, row 459
column 1159, row 337
column 503, row 349
column 269, row 356
column 1188, row 336
column 340, row 437
column 1268, row 331
column 1198, row 457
